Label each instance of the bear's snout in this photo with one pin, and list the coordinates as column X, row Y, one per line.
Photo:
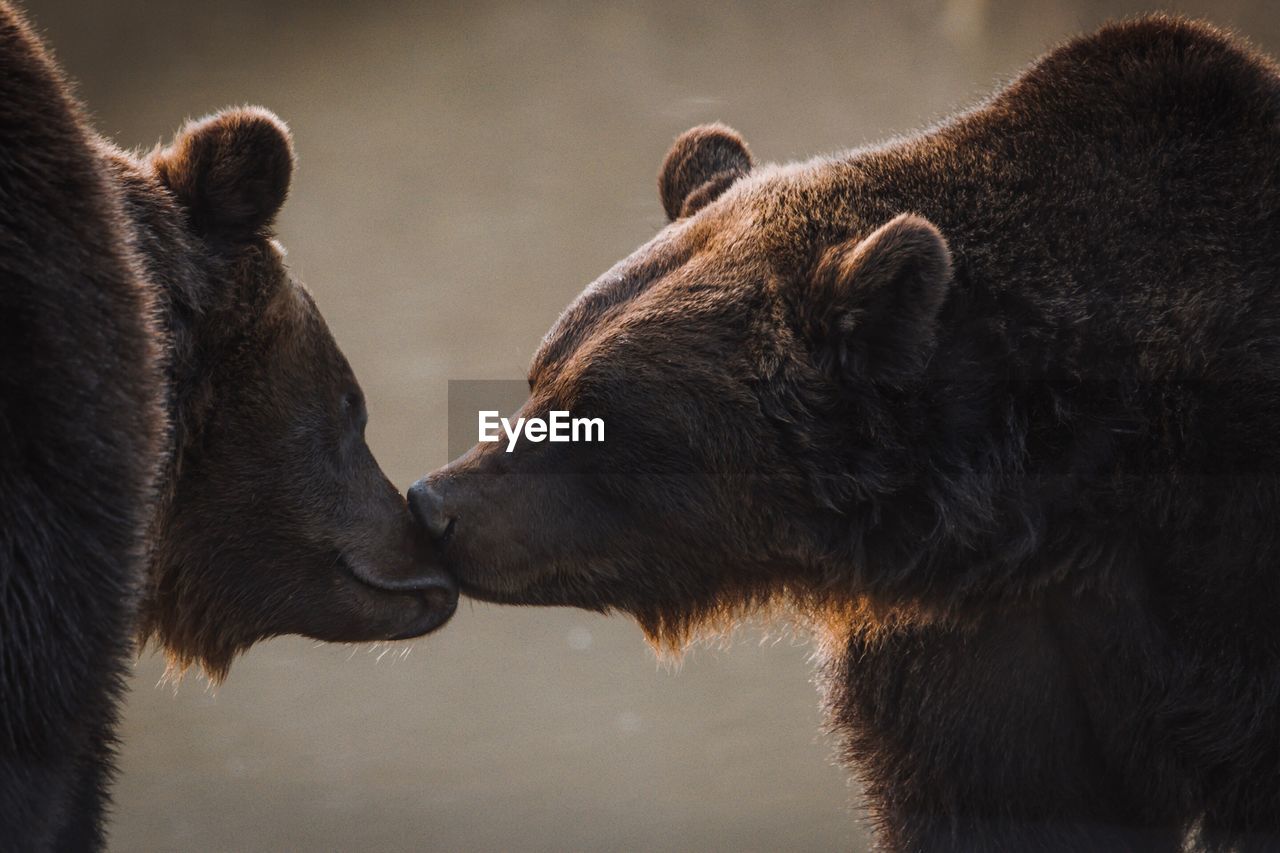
column 427, row 503
column 478, row 531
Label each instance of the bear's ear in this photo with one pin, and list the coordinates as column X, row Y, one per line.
column 230, row 171
column 702, row 163
column 873, row 309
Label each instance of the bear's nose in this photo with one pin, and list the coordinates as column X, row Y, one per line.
column 427, row 505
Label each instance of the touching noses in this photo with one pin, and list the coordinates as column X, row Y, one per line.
column 427, row 503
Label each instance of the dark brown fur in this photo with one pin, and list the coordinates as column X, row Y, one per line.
column 81, row 427
column 995, row 406
column 182, row 453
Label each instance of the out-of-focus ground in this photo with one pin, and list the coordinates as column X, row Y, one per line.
column 463, row 171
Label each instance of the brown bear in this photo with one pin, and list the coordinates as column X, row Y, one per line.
column 182, row 452
column 995, row 406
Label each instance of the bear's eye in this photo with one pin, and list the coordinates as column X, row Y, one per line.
column 353, row 409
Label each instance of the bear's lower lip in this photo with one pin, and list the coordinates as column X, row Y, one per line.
column 431, row 619
column 437, row 603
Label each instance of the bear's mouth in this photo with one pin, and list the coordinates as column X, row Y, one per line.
column 435, row 593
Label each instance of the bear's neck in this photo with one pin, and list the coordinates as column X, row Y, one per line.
column 172, row 263
column 173, row 266
column 937, row 465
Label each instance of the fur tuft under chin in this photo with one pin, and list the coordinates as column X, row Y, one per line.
column 671, row 635
column 212, row 655
column 825, row 619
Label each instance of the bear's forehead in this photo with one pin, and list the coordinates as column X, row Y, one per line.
column 723, row 264
column 714, row 264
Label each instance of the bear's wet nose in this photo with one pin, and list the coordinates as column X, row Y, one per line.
column 428, row 508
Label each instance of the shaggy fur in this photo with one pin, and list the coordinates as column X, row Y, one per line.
column 80, row 428
column 182, row 452
column 996, row 406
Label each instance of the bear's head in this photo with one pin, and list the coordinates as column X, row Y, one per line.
column 756, row 367
column 275, row 517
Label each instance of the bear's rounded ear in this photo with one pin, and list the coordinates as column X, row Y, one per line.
column 702, row 163
column 873, row 309
column 230, row 171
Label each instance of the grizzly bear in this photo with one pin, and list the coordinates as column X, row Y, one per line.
column 996, row 407
column 182, row 452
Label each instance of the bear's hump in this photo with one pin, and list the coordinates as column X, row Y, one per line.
column 1152, row 67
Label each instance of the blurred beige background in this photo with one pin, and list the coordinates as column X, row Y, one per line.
column 464, row 171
